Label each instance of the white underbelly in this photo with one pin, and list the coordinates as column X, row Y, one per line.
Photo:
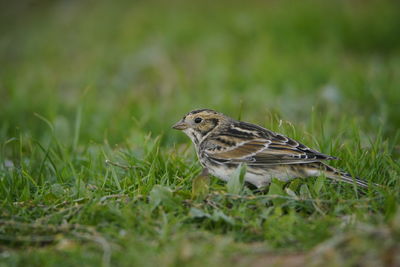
column 260, row 179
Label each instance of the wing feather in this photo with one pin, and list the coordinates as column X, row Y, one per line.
column 258, row 146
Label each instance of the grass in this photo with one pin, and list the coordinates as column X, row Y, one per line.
column 86, row 82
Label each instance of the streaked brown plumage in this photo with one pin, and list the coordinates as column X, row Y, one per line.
column 222, row 144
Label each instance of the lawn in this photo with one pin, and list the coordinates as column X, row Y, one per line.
column 91, row 172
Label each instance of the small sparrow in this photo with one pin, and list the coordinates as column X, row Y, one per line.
column 223, row 143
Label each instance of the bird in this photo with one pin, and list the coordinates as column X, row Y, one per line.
column 223, row 144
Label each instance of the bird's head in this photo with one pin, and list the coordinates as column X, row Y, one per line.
column 197, row 124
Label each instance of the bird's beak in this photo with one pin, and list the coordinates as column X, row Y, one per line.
column 180, row 125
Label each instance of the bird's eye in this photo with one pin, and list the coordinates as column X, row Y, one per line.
column 198, row 120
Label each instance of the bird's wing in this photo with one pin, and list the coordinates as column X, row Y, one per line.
column 265, row 148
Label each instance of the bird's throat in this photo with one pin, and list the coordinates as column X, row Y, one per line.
column 195, row 136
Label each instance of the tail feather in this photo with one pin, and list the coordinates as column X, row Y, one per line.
column 345, row 177
column 342, row 176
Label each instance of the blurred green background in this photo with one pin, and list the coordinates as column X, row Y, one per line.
column 140, row 65
column 86, row 81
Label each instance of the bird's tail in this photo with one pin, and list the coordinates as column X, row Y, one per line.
column 341, row 176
